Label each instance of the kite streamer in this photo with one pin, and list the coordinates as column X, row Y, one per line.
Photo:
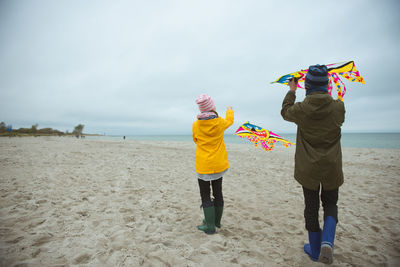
column 257, row 134
column 346, row 70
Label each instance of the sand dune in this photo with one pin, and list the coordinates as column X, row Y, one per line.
column 136, row 203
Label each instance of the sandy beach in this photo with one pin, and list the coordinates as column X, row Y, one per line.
column 68, row 202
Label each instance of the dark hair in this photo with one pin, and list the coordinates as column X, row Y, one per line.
column 216, row 113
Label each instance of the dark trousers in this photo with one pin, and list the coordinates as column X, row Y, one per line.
column 216, row 190
column 329, row 204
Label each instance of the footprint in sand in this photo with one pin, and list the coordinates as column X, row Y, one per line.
column 268, row 223
column 41, row 240
column 376, row 229
column 15, row 241
column 125, row 210
column 41, row 201
column 82, row 259
column 219, row 247
column 83, row 213
column 372, row 248
column 35, row 253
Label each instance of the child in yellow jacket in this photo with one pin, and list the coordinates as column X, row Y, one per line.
column 211, row 159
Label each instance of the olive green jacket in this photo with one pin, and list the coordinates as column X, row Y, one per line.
column 318, row 158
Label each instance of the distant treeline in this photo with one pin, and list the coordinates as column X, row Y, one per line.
column 6, row 130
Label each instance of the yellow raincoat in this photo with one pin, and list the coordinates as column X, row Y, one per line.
column 211, row 156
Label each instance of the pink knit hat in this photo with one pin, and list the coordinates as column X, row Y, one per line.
column 205, row 103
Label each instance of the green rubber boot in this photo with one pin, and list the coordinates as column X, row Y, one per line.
column 218, row 214
column 209, row 215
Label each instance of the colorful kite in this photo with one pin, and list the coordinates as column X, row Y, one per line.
column 345, row 69
column 257, row 134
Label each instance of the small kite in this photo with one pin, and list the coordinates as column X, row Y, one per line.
column 257, row 134
column 345, row 69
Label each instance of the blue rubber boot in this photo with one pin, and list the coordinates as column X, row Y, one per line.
column 328, row 237
column 314, row 247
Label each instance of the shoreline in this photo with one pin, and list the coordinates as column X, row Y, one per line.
column 369, row 143
column 349, row 140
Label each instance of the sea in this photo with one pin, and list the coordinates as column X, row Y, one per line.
column 356, row 140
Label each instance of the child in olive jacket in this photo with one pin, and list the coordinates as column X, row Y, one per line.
column 211, row 159
column 318, row 158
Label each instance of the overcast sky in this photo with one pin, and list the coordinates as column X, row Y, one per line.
column 136, row 67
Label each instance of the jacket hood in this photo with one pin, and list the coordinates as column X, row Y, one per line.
column 209, row 127
column 318, row 105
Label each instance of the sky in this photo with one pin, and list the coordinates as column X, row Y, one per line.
column 136, row 67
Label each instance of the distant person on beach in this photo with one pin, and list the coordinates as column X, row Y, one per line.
column 211, row 159
column 318, row 158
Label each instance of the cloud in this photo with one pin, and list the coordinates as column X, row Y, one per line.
column 129, row 67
